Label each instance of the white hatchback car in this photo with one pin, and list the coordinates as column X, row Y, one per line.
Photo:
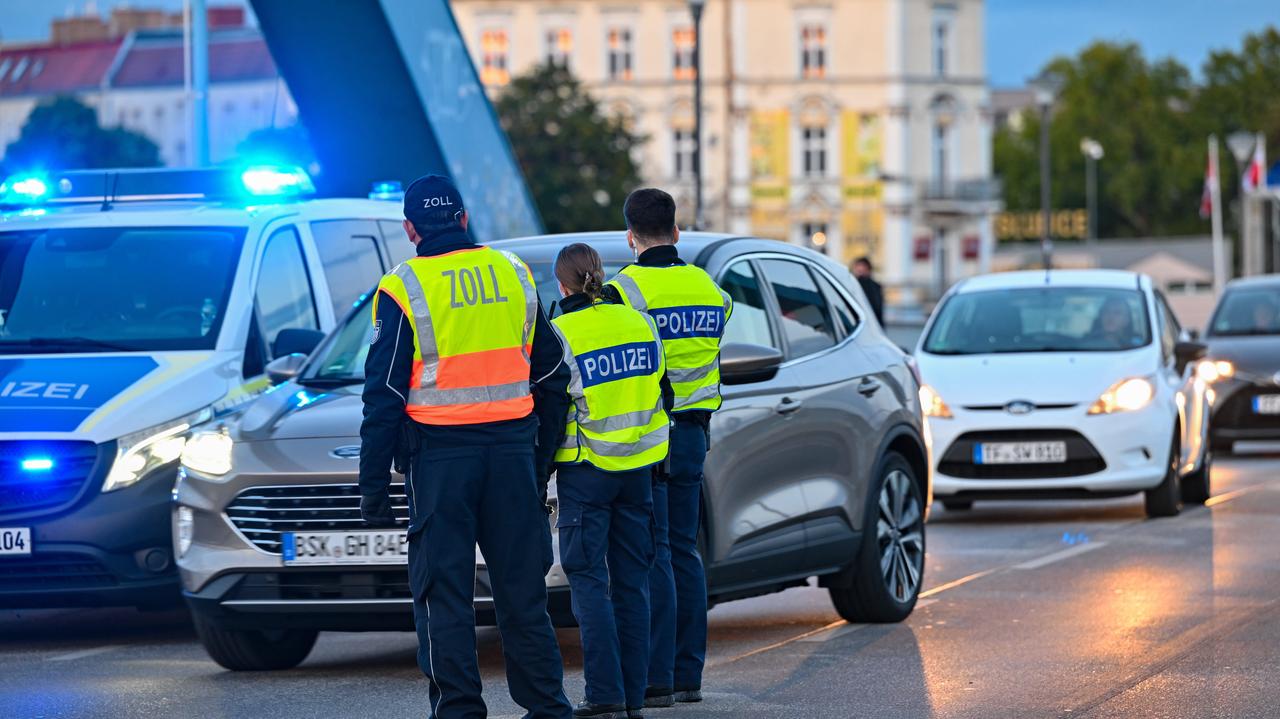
column 1063, row 384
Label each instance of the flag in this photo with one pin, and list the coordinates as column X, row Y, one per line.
column 1255, row 175
column 1210, row 184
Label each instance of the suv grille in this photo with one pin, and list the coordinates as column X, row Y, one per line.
column 24, row 490
column 262, row 514
column 1082, row 458
column 53, row 571
column 1237, row 412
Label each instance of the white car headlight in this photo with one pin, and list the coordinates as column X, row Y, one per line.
column 931, row 403
column 209, row 453
column 1126, row 395
column 140, row 453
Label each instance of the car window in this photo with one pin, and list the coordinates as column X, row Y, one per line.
column 284, row 295
column 395, row 241
column 805, row 314
column 749, row 322
column 1170, row 330
column 349, row 254
column 846, row 318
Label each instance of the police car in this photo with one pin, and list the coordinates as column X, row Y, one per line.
column 135, row 305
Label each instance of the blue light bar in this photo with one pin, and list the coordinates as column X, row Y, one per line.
column 37, row 464
column 274, row 180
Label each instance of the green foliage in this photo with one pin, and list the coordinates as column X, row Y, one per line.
column 63, row 133
column 1153, row 122
column 579, row 162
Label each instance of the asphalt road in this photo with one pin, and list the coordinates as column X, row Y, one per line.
column 1030, row 610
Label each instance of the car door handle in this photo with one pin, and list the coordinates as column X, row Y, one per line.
column 869, row 386
column 787, row 405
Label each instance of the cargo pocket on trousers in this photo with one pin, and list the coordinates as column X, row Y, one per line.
column 573, row 558
column 419, row 570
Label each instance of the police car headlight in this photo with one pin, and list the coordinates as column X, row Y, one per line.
column 208, row 453
column 141, row 453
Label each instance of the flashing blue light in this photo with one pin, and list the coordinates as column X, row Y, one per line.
column 303, row 399
column 24, row 188
column 387, row 190
column 277, row 180
column 37, row 464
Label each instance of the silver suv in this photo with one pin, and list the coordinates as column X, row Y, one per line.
column 818, row 468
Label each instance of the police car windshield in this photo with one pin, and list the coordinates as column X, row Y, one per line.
column 112, row 289
column 1041, row 319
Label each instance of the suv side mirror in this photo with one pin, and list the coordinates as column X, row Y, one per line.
column 285, row 368
column 1184, row 353
column 295, row 341
column 742, row 363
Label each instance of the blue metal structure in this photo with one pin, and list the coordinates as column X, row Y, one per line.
column 387, row 91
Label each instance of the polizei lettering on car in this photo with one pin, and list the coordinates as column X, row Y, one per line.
column 618, row 362
column 690, row 321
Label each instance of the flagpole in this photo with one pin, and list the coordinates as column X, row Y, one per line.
column 1215, row 199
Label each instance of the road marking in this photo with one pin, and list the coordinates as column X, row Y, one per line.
column 1213, row 501
column 839, row 631
column 962, row 580
column 80, row 654
column 1060, row 555
column 779, row 645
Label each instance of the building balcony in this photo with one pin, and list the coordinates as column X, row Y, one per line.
column 967, row 196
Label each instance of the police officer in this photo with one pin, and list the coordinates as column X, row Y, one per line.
column 463, row 369
column 616, row 432
column 690, row 311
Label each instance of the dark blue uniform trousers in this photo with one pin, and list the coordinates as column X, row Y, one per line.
column 606, row 549
column 678, row 583
column 464, row 495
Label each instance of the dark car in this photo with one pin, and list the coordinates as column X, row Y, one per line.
column 1244, row 353
column 818, row 468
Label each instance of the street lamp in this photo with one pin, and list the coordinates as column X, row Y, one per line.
column 695, row 8
column 1092, row 150
column 1045, row 87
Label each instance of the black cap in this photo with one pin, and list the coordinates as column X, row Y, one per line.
column 432, row 203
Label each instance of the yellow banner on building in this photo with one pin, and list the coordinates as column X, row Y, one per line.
column 861, row 146
column 770, row 158
column 861, row 188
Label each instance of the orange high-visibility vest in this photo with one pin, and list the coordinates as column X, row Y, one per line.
column 473, row 314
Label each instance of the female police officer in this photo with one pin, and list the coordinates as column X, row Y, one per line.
column 617, row 430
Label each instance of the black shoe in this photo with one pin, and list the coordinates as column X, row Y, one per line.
column 659, row 697
column 688, row 696
column 635, row 713
column 600, row 711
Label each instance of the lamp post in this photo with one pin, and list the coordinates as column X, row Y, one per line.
column 1046, row 88
column 1092, row 150
column 1241, row 144
column 695, row 8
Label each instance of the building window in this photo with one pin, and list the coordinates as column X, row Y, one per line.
column 813, row 51
column 558, row 46
column 813, row 146
column 621, row 53
column 941, row 153
column 494, row 46
column 942, row 20
column 682, row 42
column 683, row 153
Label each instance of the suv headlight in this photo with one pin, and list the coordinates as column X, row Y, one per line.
column 931, row 403
column 1126, row 395
column 141, row 453
column 208, row 453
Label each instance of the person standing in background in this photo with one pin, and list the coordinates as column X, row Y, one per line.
column 872, row 289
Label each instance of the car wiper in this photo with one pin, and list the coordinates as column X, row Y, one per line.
column 322, row 381
column 70, row 343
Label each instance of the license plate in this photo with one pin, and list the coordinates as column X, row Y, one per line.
column 15, row 541
column 1267, row 404
column 366, row 547
column 1019, row 452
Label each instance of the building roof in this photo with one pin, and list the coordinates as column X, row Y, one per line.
column 156, row 59
column 48, row 69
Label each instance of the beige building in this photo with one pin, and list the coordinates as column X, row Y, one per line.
column 852, row 126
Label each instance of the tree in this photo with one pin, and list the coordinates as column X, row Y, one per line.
column 579, row 162
column 1150, row 181
column 63, row 133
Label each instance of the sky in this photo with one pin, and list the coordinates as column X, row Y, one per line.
column 1022, row 35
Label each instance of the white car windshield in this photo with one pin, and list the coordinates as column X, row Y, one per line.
column 113, row 289
column 1040, row 319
